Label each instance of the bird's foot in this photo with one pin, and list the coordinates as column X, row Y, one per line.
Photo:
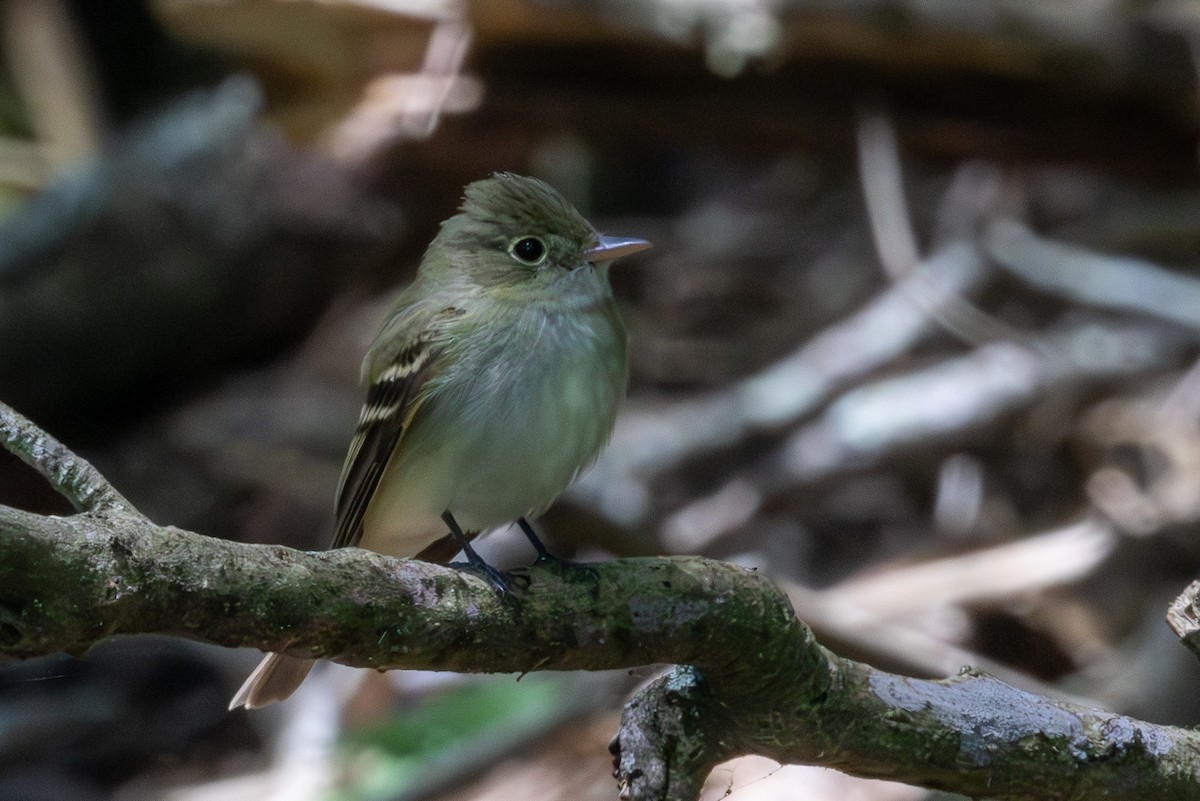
column 497, row 578
column 475, row 563
column 544, row 557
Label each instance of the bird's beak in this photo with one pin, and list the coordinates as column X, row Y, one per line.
column 615, row 247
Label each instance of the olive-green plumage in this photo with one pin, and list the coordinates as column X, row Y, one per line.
column 494, row 378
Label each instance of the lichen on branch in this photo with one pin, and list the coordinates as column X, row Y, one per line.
column 750, row 678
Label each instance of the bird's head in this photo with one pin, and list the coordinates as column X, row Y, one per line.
column 519, row 239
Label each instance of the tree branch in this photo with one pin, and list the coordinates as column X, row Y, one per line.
column 755, row 680
column 71, row 476
column 1183, row 616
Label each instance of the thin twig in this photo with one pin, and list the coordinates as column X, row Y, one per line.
column 1090, row 278
column 51, row 70
column 70, row 475
column 896, row 242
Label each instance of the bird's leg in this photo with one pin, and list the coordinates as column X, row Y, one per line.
column 475, row 563
column 543, row 553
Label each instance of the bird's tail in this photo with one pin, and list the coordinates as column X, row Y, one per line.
column 275, row 678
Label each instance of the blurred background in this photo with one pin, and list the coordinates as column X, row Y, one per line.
column 918, row 338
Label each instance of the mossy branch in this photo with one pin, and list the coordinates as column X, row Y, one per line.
column 751, row 677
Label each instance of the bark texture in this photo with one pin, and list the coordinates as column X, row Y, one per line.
column 750, row 678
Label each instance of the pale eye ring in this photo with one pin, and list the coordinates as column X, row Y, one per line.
column 528, row 250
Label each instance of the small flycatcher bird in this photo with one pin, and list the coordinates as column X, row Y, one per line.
column 494, row 379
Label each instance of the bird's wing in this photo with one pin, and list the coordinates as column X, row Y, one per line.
column 393, row 398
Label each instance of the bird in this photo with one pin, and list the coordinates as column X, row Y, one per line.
column 493, row 380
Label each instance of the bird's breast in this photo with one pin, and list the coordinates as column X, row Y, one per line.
column 522, row 409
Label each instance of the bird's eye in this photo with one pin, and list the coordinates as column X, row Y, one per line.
column 528, row 250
